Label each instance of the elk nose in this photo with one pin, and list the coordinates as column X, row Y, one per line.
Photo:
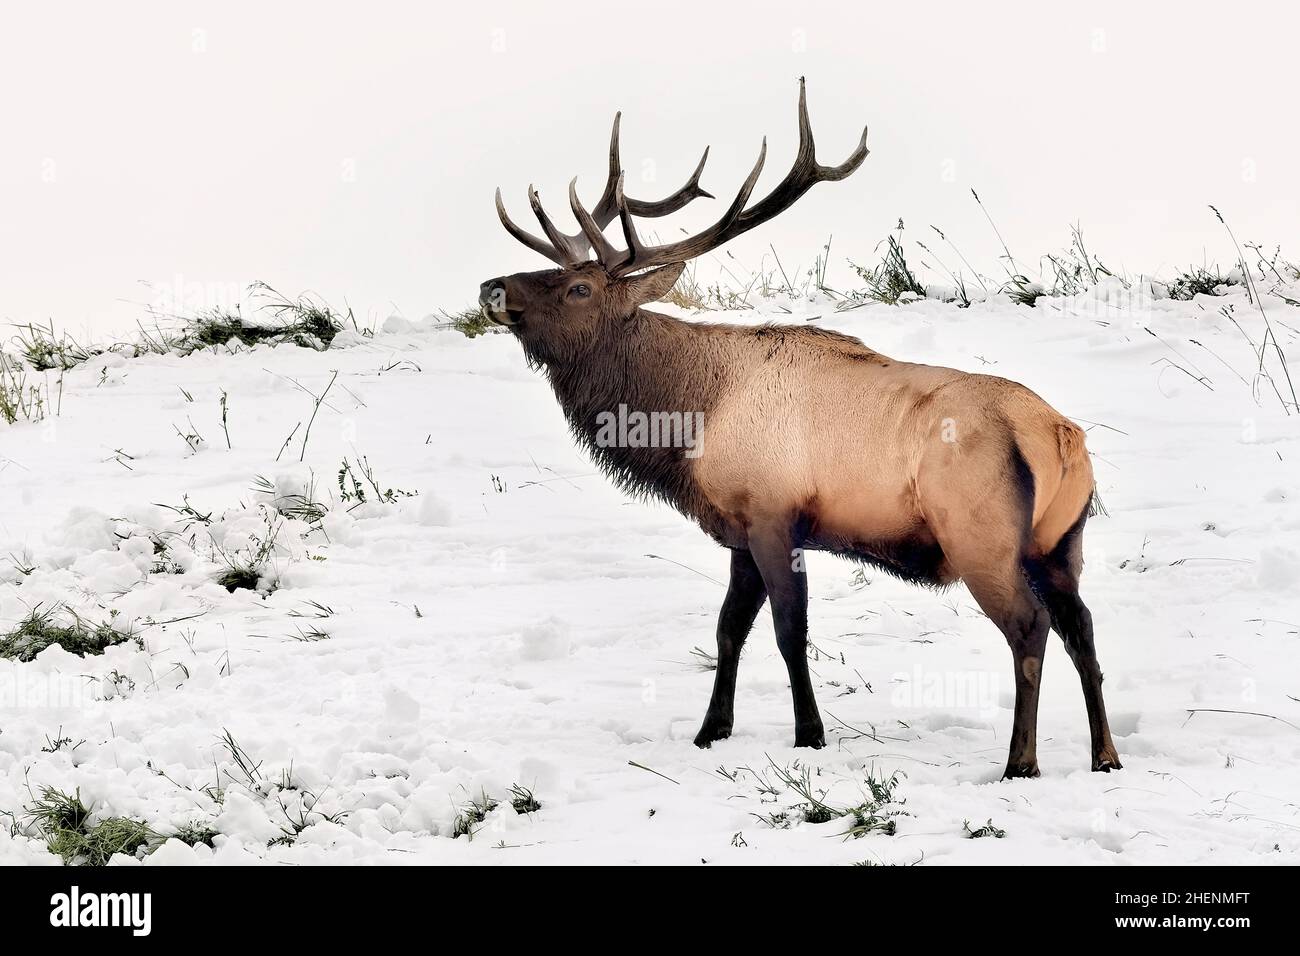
column 492, row 295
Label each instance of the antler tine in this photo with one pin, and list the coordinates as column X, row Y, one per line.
column 833, row 174
column 634, row 247
column 807, row 155
column 807, row 151
column 606, row 209
column 827, row 174
column 642, row 257
column 572, row 249
column 606, row 254
column 527, row 238
column 670, row 204
column 803, row 175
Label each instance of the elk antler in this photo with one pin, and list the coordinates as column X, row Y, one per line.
column 569, row 250
column 804, row 174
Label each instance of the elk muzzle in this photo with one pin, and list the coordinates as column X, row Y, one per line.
column 492, row 300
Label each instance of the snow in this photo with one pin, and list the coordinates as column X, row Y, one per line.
column 518, row 621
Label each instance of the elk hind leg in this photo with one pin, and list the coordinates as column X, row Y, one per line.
column 1056, row 579
column 986, row 546
column 1010, row 604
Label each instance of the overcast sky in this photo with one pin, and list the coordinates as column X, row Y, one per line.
column 352, row 149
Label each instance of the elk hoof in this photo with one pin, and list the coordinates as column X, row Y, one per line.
column 1106, row 761
column 1020, row 769
column 709, row 733
column 814, row 738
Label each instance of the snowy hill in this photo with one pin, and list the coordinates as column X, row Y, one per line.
column 507, row 619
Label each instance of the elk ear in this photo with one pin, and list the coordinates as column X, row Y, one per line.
column 653, row 285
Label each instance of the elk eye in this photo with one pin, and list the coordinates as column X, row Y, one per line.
column 581, row 291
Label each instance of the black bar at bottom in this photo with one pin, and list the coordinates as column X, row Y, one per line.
column 315, row 904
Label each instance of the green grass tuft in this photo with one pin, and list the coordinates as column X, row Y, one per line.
column 1023, row 290
column 246, row 568
column 354, row 479
column 1188, row 285
column 472, row 815
column 63, row 821
column 471, row 322
column 1078, row 268
column 892, row 281
column 522, row 799
column 44, row 349
column 241, row 578
column 21, row 398
column 192, row 834
column 875, row 813
column 40, row 630
column 305, row 321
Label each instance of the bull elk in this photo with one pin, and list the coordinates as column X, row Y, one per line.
column 811, row 440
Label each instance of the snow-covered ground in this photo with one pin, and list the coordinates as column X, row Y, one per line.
column 519, row 622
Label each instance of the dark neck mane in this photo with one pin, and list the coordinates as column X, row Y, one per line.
column 648, row 363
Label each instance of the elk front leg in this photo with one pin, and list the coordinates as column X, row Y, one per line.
column 745, row 596
column 779, row 557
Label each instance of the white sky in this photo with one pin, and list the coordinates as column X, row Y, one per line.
column 352, row 149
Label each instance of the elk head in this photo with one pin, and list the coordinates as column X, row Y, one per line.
column 557, row 311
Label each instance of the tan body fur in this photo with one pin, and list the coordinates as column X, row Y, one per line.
column 877, row 450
